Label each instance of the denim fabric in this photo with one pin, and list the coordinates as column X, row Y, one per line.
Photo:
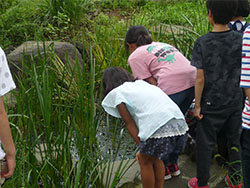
column 183, row 99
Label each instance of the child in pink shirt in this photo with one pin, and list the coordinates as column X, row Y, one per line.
column 163, row 65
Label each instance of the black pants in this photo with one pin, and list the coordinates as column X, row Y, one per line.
column 245, row 157
column 207, row 130
column 221, row 138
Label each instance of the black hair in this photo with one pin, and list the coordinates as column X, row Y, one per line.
column 139, row 35
column 222, row 10
column 243, row 8
column 114, row 77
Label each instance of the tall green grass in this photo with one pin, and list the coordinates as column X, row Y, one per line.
column 58, row 110
column 182, row 36
column 74, row 9
column 55, row 122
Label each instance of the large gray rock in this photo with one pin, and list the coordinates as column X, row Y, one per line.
column 36, row 49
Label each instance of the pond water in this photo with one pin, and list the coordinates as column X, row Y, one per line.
column 114, row 136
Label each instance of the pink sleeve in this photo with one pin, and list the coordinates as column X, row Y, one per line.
column 140, row 68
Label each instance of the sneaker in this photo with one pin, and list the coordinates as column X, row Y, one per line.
column 229, row 183
column 167, row 174
column 174, row 170
column 193, row 183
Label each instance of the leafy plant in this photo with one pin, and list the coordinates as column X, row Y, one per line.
column 58, row 112
column 61, row 28
column 73, row 9
column 55, row 128
column 123, row 4
column 16, row 24
column 5, row 4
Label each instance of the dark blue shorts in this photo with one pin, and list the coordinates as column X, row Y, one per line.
column 162, row 147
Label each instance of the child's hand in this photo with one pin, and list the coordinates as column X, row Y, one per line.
column 197, row 112
column 11, row 162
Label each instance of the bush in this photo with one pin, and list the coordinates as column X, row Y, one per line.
column 5, row 4
column 17, row 24
column 73, row 9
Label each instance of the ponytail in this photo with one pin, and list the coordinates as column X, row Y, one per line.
column 143, row 40
column 139, row 35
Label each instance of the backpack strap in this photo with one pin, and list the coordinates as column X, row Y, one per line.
column 238, row 26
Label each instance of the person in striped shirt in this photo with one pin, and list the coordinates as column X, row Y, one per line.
column 239, row 24
column 245, row 83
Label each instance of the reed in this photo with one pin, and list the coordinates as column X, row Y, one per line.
column 57, row 115
column 55, row 119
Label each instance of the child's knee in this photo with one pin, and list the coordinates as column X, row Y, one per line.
column 144, row 159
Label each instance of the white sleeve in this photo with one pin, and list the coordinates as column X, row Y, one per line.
column 6, row 80
column 2, row 153
column 110, row 102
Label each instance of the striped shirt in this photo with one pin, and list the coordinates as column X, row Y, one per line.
column 245, row 76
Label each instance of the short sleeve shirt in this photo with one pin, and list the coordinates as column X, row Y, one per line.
column 245, row 76
column 219, row 55
column 149, row 106
column 6, row 80
column 166, row 64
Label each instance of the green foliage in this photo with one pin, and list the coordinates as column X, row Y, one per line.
column 17, row 24
column 66, row 19
column 109, row 52
column 102, row 19
column 171, row 12
column 6, row 4
column 73, row 9
column 235, row 178
column 61, row 27
column 36, row 20
column 182, row 36
column 121, row 4
column 58, row 107
column 61, row 118
column 58, row 123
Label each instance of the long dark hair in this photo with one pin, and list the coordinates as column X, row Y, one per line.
column 114, row 77
column 138, row 35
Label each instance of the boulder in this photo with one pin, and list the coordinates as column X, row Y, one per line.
column 35, row 49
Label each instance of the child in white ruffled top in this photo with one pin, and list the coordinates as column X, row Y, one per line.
column 153, row 120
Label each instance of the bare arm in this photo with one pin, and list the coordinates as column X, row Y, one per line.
column 151, row 80
column 199, row 86
column 129, row 121
column 7, row 141
column 247, row 92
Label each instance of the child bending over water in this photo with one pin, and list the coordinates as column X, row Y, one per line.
column 153, row 120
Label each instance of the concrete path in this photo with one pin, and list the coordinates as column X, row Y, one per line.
column 188, row 169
